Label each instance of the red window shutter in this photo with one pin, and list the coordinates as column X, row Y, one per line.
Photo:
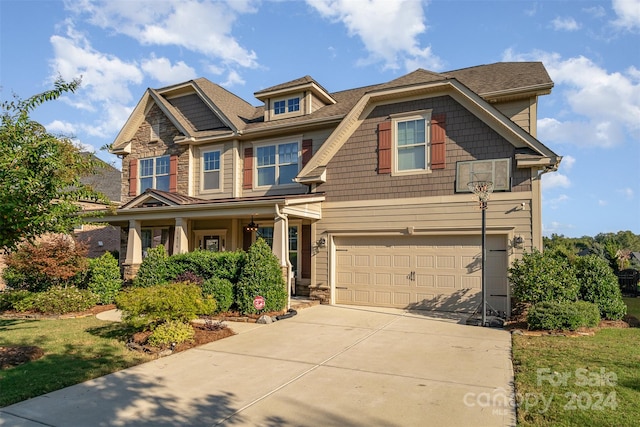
column 173, row 174
column 384, row 147
column 438, row 139
column 307, row 151
column 247, row 182
column 133, row 177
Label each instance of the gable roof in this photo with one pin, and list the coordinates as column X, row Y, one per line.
column 474, row 86
column 105, row 180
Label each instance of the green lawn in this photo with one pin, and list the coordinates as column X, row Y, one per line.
column 75, row 350
column 579, row 381
column 633, row 306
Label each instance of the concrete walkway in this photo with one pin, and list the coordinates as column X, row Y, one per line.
column 327, row 366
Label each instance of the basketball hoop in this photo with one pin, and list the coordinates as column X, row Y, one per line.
column 482, row 189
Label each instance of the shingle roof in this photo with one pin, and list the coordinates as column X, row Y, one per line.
column 503, row 76
column 106, row 179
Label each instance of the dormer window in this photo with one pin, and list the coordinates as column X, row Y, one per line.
column 286, row 106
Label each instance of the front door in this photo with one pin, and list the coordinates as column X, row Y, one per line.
column 211, row 243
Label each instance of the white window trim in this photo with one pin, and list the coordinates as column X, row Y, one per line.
column 404, row 117
column 461, row 186
column 287, row 113
column 296, row 139
column 201, row 153
column 154, row 175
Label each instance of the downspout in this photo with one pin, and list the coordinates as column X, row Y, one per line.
column 285, row 219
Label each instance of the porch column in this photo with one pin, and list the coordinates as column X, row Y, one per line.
column 134, row 250
column 180, row 240
column 281, row 248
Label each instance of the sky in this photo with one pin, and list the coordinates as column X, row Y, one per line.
column 591, row 50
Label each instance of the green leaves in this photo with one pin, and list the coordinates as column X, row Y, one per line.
column 39, row 173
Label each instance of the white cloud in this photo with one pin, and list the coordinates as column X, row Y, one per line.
column 104, row 77
column 233, row 79
column 84, row 147
column 626, row 192
column 163, row 71
column 602, row 202
column 567, row 162
column 555, row 227
column 555, row 180
column 389, row 30
column 606, row 105
column 61, row 128
column 628, row 12
column 596, row 11
column 565, row 24
column 199, row 26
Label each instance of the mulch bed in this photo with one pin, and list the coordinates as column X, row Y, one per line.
column 14, row 356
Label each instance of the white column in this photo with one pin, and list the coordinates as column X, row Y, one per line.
column 180, row 240
column 134, row 244
column 281, row 249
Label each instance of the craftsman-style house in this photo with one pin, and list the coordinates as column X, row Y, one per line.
column 362, row 193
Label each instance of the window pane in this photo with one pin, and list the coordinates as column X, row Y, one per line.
column 211, row 180
column 146, row 167
column 293, row 238
column 288, row 153
column 410, row 158
column 411, row 132
column 145, row 183
column 267, row 234
column 267, row 176
column 278, row 107
column 287, row 173
column 162, row 165
column 212, row 161
column 294, row 104
column 266, row 155
column 162, row 183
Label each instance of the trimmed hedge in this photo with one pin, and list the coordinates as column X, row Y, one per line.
column 539, row 277
column 9, row 299
column 222, row 290
column 563, row 315
column 599, row 285
column 262, row 276
column 104, row 278
column 58, row 300
column 152, row 306
column 153, row 270
column 171, row 332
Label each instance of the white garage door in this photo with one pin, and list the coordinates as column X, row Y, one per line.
column 421, row 272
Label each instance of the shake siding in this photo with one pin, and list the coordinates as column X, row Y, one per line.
column 352, row 174
column 196, row 112
column 226, row 177
column 518, row 111
column 442, row 218
column 141, row 148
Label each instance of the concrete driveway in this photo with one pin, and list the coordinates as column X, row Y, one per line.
column 327, row 366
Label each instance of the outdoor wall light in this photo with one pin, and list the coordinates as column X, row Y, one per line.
column 322, row 242
column 518, row 241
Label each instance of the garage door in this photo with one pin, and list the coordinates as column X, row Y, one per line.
column 421, row 272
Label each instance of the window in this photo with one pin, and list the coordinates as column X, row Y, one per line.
column 154, row 173
column 283, row 106
column 293, row 104
column 411, row 140
column 211, row 170
column 279, row 107
column 497, row 171
column 267, row 234
column 277, row 164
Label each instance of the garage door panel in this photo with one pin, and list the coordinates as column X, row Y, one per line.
column 431, row 272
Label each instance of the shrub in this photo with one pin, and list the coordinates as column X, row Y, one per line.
column 171, row 332
column 104, row 278
column 207, row 264
column 539, row 277
column 261, row 275
column 37, row 266
column 599, row 285
column 8, row 299
column 59, row 300
column 189, row 277
column 221, row 290
column 148, row 307
column 563, row 315
column 153, row 270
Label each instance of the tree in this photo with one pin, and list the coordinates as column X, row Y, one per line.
column 39, row 173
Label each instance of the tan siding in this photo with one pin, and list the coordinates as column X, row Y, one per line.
column 518, row 111
column 503, row 216
column 352, row 174
column 226, row 178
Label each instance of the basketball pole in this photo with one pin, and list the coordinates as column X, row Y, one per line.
column 483, row 206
